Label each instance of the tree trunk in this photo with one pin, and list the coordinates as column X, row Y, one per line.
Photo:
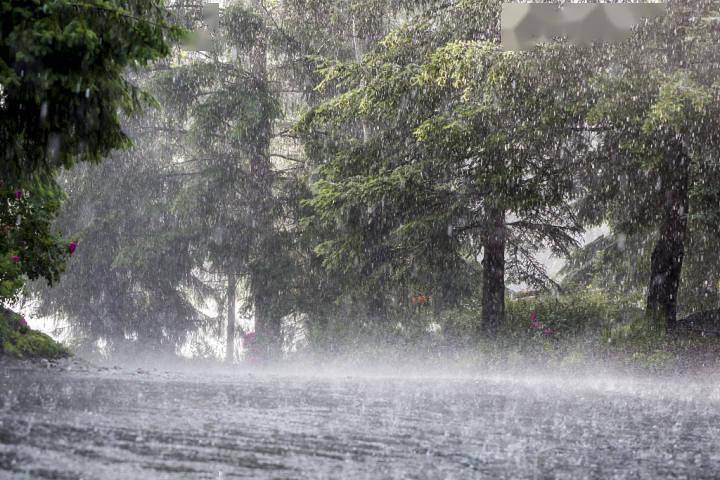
column 359, row 50
column 267, row 330
column 493, row 265
column 667, row 256
column 230, row 345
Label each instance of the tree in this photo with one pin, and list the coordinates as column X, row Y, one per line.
column 264, row 60
column 62, row 87
column 224, row 100
column 62, row 79
column 132, row 284
column 512, row 124
column 439, row 148
column 657, row 109
column 214, row 176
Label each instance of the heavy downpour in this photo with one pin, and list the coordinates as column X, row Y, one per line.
column 377, row 239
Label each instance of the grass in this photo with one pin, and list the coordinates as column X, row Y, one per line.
column 20, row 341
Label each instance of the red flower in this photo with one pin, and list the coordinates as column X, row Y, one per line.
column 15, row 259
column 534, row 323
column 72, row 246
column 420, row 299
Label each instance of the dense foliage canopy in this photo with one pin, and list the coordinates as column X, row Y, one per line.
column 64, row 82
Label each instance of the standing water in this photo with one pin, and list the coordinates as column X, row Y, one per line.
column 116, row 425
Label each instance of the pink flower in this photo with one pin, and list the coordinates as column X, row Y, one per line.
column 72, row 246
column 15, row 259
column 23, row 322
column 534, row 321
column 548, row 331
column 18, row 194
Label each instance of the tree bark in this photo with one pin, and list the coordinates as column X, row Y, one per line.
column 230, row 345
column 359, row 50
column 667, row 256
column 267, row 330
column 493, row 265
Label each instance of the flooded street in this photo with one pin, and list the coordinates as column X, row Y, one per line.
column 125, row 425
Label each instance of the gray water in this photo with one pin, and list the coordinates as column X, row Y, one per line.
column 126, row 425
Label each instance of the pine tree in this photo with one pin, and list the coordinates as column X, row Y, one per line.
column 656, row 109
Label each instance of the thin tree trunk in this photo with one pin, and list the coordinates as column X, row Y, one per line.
column 493, row 265
column 359, row 50
column 230, row 345
column 667, row 256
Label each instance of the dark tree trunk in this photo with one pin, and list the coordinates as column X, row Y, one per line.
column 667, row 256
column 230, row 345
column 493, row 282
column 267, row 330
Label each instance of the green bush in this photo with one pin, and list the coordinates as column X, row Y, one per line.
column 4, row 331
column 33, row 344
column 18, row 340
column 583, row 315
column 30, row 247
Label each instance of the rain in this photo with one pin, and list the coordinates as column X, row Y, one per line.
column 437, row 239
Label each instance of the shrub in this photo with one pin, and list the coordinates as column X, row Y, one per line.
column 30, row 248
column 19, row 340
column 582, row 315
